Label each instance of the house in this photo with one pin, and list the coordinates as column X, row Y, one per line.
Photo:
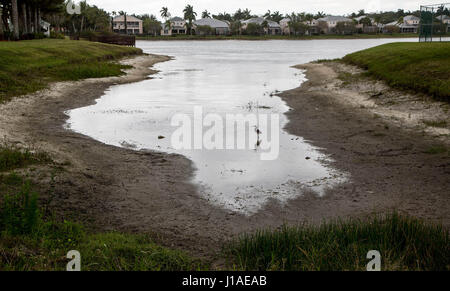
column 410, row 24
column 272, row 26
column 374, row 27
column 332, row 21
column 45, row 28
column 312, row 26
column 219, row 27
column 444, row 19
column 134, row 25
column 177, row 26
column 284, row 25
column 411, row 20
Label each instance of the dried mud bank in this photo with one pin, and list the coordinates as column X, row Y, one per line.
column 112, row 188
column 380, row 136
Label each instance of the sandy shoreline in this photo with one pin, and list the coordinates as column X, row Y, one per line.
column 112, row 188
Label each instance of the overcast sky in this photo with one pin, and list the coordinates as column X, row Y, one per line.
column 335, row 7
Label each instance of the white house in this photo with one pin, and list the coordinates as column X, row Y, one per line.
column 373, row 28
column 45, row 27
column 273, row 27
column 284, row 25
column 332, row 21
column 444, row 18
column 410, row 24
column 134, row 25
column 313, row 29
column 411, row 20
column 177, row 26
column 219, row 27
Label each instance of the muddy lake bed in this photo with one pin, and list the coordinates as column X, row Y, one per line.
column 223, row 78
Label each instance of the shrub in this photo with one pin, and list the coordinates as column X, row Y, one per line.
column 19, row 213
column 405, row 243
column 56, row 35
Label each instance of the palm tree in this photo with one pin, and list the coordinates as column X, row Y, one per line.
column 206, row 14
column 265, row 26
column 247, row 13
column 25, row 18
column 165, row 13
column 15, row 18
column 189, row 15
column 276, row 16
column 114, row 13
column 320, row 14
column 1, row 23
column 125, row 20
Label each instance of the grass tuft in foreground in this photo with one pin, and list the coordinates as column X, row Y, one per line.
column 405, row 243
column 29, row 66
column 422, row 67
column 12, row 158
column 28, row 241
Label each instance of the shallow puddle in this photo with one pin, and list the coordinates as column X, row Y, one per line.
column 223, row 77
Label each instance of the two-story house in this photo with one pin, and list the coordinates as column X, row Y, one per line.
column 134, row 25
column 177, row 26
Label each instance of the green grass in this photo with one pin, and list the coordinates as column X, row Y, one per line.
column 436, row 123
column 405, row 243
column 270, row 37
column 29, row 241
column 437, row 149
column 420, row 67
column 29, row 66
column 12, row 158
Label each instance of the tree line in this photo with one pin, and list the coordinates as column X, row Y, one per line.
column 21, row 18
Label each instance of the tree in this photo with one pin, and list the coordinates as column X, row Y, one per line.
column 24, row 17
column 265, row 26
column 124, row 20
column 204, row 30
column 189, row 16
column 344, row 27
column 206, row 14
column 323, row 26
column 247, row 13
column 366, row 21
column 223, row 16
column 319, row 15
column 297, row 27
column 253, row 29
column 15, row 18
column 236, row 27
column 165, row 13
column 1, row 22
column 276, row 16
column 151, row 25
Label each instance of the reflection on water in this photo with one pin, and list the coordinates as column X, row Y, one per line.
column 223, row 77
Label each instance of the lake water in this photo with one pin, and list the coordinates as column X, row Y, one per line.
column 223, row 77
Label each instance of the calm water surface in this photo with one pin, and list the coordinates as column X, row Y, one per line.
column 223, row 77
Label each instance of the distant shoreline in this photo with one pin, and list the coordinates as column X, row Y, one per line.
column 277, row 37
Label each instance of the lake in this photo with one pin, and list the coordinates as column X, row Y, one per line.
column 223, row 78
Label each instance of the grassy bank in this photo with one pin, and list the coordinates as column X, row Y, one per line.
column 404, row 243
column 421, row 67
column 275, row 37
column 28, row 66
column 32, row 238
